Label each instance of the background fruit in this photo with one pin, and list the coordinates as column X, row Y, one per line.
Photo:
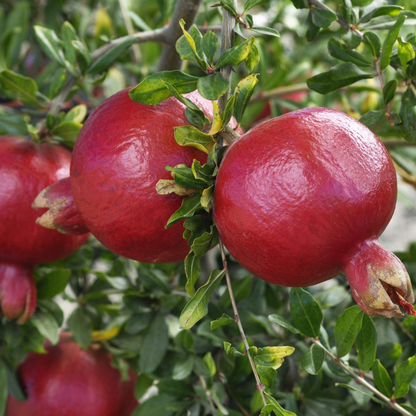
column 120, row 154
column 320, row 187
column 25, row 169
column 68, row 381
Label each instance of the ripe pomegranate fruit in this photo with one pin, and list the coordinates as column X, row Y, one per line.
column 120, row 154
column 25, row 169
column 67, row 381
column 305, row 196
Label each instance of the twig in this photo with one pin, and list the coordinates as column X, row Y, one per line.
column 362, row 380
column 186, row 10
column 409, row 334
column 130, row 29
column 279, row 91
column 397, row 143
column 208, row 394
column 259, row 384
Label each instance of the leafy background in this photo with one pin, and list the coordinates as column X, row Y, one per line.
column 133, row 309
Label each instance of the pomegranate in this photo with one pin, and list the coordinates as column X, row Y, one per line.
column 120, row 154
column 25, row 169
column 68, row 381
column 305, row 196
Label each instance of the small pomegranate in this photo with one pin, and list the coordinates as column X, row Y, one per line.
column 305, row 196
column 25, row 169
column 68, row 381
column 120, row 154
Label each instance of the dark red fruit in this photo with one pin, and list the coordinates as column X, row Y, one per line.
column 68, row 381
column 304, row 197
column 25, row 169
column 120, row 155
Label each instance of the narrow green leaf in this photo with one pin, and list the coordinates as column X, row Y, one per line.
column 382, row 379
column 4, row 392
column 265, row 31
column 197, row 307
column 339, row 76
column 68, row 131
column 191, row 136
column 405, row 52
column 154, row 344
column 222, row 321
column 253, row 58
column 276, row 408
column 76, row 114
column 366, row 344
column 193, row 271
column 25, row 88
column 372, row 117
column 138, row 21
column 344, row 53
column 231, row 351
column 389, row 43
column 245, row 89
column 253, row 3
column 381, row 11
column 80, row 325
column 188, row 208
column 347, row 328
column 405, row 373
column 13, row 124
column 185, row 178
column 57, row 82
column 322, row 17
column 311, row 29
column 272, row 356
column 83, row 55
column 183, row 369
column 69, row 34
column 229, row 6
column 372, row 40
column 184, row 48
column 305, row 311
column 267, row 375
column 152, row 90
column 50, row 43
column 389, row 91
column 235, row 55
column 313, row 360
column 300, row 4
column 407, row 113
column 229, row 108
column 53, row 283
column 46, row 324
column 198, row 59
column 210, row 45
column 212, row 86
column 283, row 322
column 109, row 57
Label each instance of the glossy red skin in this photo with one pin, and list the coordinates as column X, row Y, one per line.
column 120, row 154
column 68, row 381
column 25, row 169
column 296, row 195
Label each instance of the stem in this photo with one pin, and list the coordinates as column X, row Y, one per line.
column 130, row 29
column 208, row 394
column 186, row 10
column 381, row 80
column 362, row 380
column 259, row 384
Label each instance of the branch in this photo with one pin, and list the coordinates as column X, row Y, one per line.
column 186, row 10
column 259, row 384
column 361, row 380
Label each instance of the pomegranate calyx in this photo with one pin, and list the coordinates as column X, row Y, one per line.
column 62, row 214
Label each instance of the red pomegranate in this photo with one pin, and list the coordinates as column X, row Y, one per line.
column 305, row 196
column 67, row 381
column 119, row 156
column 25, row 169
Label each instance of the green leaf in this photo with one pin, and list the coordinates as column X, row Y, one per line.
column 253, row 58
column 202, row 244
column 389, row 91
column 322, row 17
column 231, row 351
column 83, row 55
column 185, row 178
column 346, row 329
column 300, row 4
column 389, row 43
column 382, row 379
column 191, row 136
column 229, row 6
column 13, row 124
column 155, row 406
column 366, row 344
column 339, row 76
column 25, row 88
column 197, row 307
column 183, row 369
column 110, row 56
column 272, row 356
column 53, row 283
column 408, row 116
column 313, row 360
column 50, row 44
column 305, row 311
column 154, row 344
column 57, row 82
column 76, row 114
column 222, row 321
column 192, row 271
column 372, row 117
column 210, row 363
column 405, row 52
column 235, row 55
column 67, row 131
column 283, row 322
column 188, row 208
column 69, row 34
column 152, row 90
column 46, row 324
column 267, row 375
column 4, row 392
column 192, row 44
column 344, row 53
column 392, row 11
column 210, row 45
column 265, row 31
column 253, row 3
column 373, row 42
column 245, row 89
column 311, row 29
column 276, row 408
column 405, row 373
column 184, row 48
column 229, row 108
column 80, row 325
column 213, row 86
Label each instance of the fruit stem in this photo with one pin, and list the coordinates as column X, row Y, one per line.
column 240, row 326
column 361, row 379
